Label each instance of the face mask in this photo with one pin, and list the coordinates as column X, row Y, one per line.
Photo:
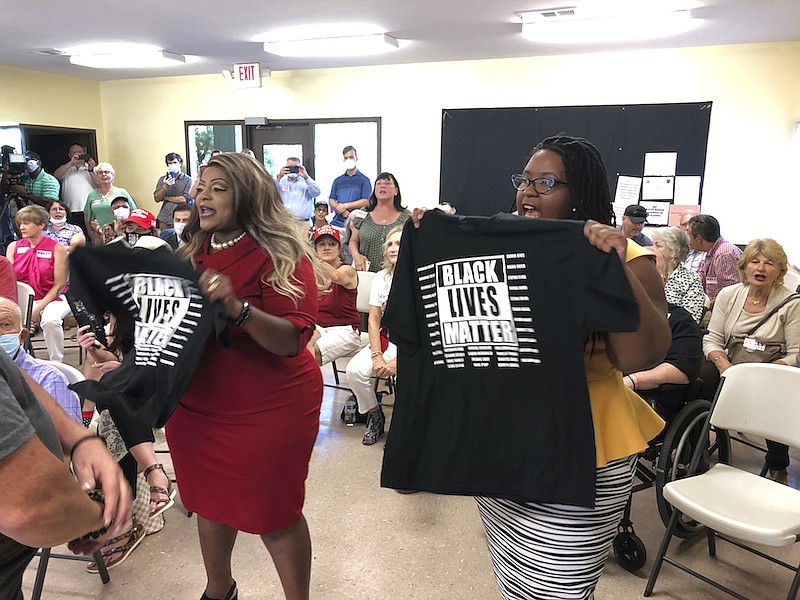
column 132, row 238
column 349, row 164
column 121, row 213
column 32, row 165
column 58, row 222
column 174, row 168
column 10, row 343
column 179, row 227
column 292, row 176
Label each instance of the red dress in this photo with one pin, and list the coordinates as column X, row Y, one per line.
column 242, row 436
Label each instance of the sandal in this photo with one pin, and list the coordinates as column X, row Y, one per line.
column 163, row 504
column 134, row 537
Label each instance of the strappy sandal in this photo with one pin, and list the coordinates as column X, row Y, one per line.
column 161, row 505
column 134, row 536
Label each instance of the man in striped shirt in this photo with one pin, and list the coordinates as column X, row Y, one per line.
column 39, row 187
column 719, row 268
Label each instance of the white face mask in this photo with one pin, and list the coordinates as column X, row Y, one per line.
column 121, row 213
column 349, row 164
column 32, row 165
column 179, row 227
column 174, row 168
column 58, row 222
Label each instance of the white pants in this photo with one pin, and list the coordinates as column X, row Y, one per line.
column 338, row 341
column 51, row 321
column 359, row 374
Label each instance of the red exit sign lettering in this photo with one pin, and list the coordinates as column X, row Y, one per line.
column 247, row 75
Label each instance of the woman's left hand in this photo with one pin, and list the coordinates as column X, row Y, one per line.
column 386, row 369
column 606, row 238
column 216, row 286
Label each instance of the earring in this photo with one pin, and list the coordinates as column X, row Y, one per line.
column 574, row 209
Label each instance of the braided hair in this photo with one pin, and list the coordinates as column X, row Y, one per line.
column 586, row 176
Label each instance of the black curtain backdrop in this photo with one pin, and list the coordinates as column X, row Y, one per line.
column 483, row 147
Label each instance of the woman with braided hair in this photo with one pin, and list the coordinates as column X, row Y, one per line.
column 558, row 551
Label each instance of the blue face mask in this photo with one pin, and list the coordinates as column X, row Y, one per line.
column 10, row 343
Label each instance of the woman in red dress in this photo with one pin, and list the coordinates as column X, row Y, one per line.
column 242, row 436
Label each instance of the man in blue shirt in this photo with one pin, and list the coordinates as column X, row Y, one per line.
column 297, row 189
column 350, row 190
column 633, row 220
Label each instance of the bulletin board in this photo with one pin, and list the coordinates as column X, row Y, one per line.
column 655, row 154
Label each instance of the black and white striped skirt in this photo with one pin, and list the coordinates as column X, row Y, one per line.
column 554, row 551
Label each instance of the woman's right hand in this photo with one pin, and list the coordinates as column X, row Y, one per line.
column 359, row 262
column 723, row 364
column 606, row 238
column 416, row 216
column 86, row 338
column 106, row 366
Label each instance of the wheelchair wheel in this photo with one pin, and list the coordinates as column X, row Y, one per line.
column 629, row 551
column 679, row 443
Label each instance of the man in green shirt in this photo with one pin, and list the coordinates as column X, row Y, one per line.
column 39, row 187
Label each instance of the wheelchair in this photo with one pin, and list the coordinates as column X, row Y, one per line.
column 667, row 459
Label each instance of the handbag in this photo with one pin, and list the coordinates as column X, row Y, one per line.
column 767, row 352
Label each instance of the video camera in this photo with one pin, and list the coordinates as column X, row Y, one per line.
column 14, row 165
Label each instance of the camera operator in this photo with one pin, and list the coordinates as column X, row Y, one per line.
column 77, row 179
column 39, row 187
column 11, row 175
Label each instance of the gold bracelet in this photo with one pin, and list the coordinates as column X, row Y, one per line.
column 718, row 357
column 376, row 353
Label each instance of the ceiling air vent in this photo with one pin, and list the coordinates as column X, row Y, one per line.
column 46, row 52
column 548, row 14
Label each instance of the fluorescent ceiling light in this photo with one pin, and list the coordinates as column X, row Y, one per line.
column 354, row 45
column 123, row 56
column 607, row 28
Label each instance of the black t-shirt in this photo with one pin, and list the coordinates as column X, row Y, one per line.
column 155, row 295
column 491, row 317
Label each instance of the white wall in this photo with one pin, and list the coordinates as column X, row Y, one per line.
column 751, row 182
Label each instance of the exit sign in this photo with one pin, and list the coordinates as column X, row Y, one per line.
column 247, row 75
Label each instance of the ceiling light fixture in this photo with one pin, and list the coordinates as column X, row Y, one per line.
column 123, row 56
column 559, row 26
column 344, row 45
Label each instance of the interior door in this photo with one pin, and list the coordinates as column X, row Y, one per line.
column 273, row 144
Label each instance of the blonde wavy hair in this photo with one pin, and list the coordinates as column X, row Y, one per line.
column 260, row 212
column 388, row 266
column 769, row 248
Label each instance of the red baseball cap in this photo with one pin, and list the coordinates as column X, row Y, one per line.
column 327, row 230
column 142, row 218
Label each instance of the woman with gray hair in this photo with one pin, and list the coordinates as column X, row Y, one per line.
column 97, row 211
column 681, row 286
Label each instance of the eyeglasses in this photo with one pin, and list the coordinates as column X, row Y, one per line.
column 542, row 185
column 105, row 172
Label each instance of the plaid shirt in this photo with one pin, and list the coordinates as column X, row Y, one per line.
column 719, row 268
column 53, row 382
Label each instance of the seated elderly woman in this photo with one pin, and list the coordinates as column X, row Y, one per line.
column 681, row 286
column 41, row 262
column 338, row 331
column 757, row 320
column 380, row 356
column 68, row 234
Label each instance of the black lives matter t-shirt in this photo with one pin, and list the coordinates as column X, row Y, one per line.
column 491, row 317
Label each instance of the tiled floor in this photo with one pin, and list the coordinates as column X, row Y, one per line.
column 373, row 543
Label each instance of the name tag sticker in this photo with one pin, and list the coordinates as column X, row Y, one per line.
column 753, row 345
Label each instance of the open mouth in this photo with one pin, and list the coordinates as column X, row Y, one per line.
column 529, row 210
column 205, row 211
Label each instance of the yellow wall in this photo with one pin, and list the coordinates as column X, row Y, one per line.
column 751, row 181
column 43, row 99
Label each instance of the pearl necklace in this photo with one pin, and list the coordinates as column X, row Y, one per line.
column 221, row 246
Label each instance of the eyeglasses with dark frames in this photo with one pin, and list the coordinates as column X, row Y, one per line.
column 542, row 185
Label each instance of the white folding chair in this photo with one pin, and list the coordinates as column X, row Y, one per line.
column 73, row 375
column 792, row 280
column 365, row 279
column 25, row 303
column 735, row 505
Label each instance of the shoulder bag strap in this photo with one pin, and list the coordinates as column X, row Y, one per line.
column 768, row 316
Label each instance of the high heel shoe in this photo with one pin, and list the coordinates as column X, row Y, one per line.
column 232, row 594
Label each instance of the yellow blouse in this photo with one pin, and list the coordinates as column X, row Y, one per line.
column 623, row 422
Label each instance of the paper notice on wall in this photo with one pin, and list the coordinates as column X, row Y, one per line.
column 676, row 212
column 658, row 188
column 687, row 189
column 627, row 190
column 657, row 212
column 660, row 163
